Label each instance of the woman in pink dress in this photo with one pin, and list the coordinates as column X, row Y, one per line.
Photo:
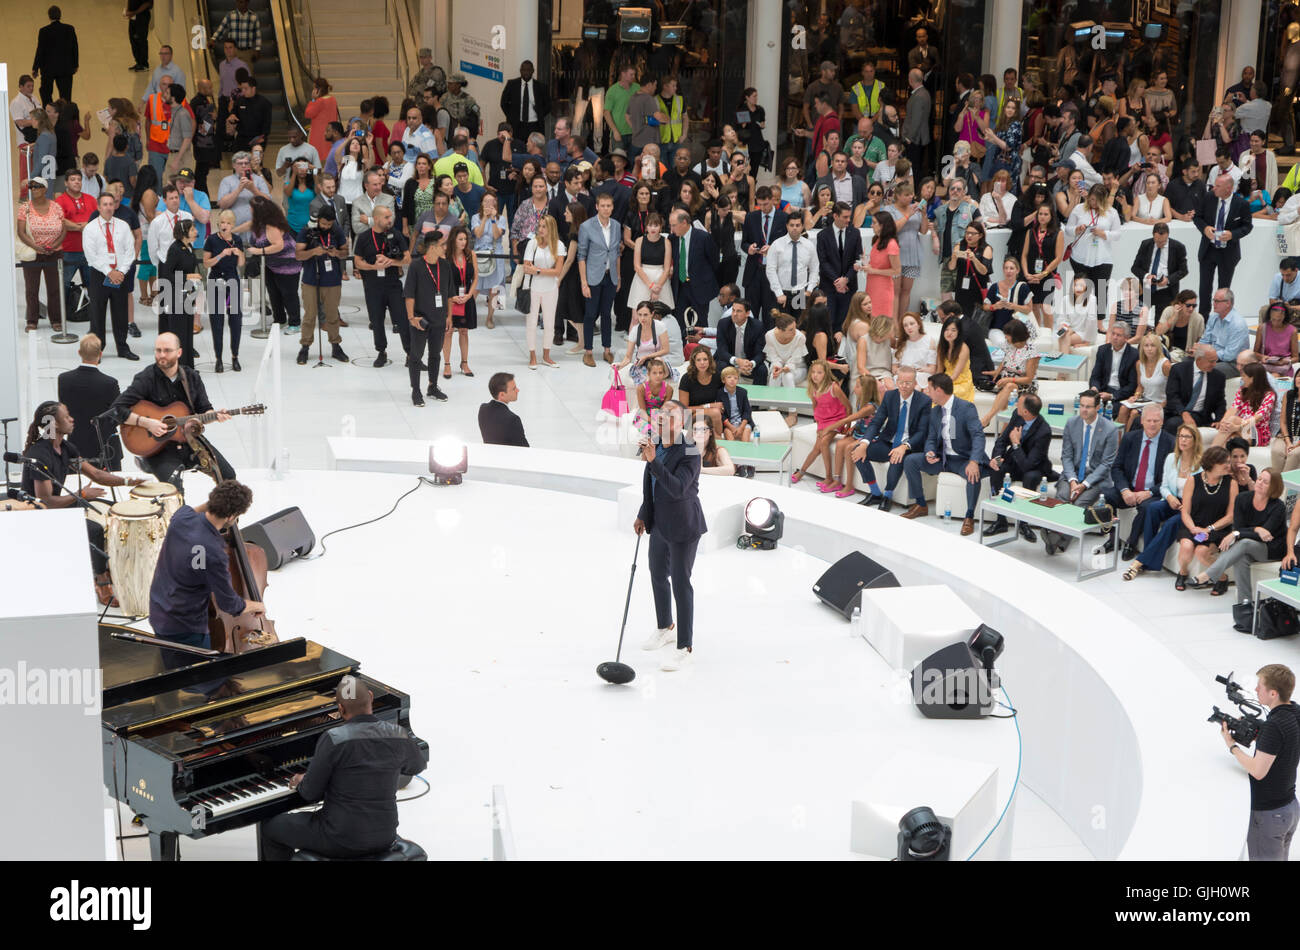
column 320, row 112
column 883, row 265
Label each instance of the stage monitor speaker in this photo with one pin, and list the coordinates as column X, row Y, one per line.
column 282, row 536
column 952, row 684
column 842, row 585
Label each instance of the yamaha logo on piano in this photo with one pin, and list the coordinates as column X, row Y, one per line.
column 138, row 788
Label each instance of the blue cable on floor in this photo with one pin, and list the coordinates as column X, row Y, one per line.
column 1020, row 751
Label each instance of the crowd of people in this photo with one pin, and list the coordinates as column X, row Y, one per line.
column 814, row 274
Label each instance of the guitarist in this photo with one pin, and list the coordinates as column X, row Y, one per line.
column 163, row 384
column 194, row 566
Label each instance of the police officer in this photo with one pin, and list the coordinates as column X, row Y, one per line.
column 1272, row 769
column 464, row 110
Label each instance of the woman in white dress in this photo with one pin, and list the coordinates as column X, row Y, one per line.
column 915, row 348
column 1153, row 377
column 652, row 264
column 1151, row 206
column 544, row 263
column 1077, row 316
column 1092, row 232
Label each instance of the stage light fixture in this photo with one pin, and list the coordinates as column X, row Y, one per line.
column 448, row 461
column 923, row 837
column 764, row 525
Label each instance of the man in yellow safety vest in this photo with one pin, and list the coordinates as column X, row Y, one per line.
column 865, row 95
column 672, row 134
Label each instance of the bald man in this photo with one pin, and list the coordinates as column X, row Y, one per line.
column 356, row 770
column 1223, row 218
column 162, row 384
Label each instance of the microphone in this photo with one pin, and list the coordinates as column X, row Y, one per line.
column 13, row 458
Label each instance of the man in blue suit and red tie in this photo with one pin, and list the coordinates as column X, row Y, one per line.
column 671, row 512
column 695, row 266
column 897, row 430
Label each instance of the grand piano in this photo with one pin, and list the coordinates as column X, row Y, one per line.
column 208, row 747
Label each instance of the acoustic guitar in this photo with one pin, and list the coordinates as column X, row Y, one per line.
column 139, row 441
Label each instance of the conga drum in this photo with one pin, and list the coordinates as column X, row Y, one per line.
column 134, row 537
column 164, row 494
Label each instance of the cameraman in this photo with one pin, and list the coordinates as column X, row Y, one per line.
column 323, row 251
column 1272, row 769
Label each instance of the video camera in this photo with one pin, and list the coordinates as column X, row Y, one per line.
column 1243, row 729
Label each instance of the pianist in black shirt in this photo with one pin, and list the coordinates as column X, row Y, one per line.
column 356, row 771
column 496, row 423
column 162, row 384
column 194, row 565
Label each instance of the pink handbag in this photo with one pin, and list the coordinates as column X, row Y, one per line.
column 615, row 399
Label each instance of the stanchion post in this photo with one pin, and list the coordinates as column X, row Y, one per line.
column 263, row 329
column 63, row 335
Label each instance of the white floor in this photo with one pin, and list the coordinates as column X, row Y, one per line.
column 755, row 752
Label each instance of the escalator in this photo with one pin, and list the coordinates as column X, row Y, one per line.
column 267, row 68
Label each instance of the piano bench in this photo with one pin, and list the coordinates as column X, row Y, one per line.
column 401, row 850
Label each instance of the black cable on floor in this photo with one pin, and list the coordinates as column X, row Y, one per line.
column 421, row 480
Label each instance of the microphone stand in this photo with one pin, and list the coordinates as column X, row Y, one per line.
column 81, row 502
column 320, row 325
column 9, row 482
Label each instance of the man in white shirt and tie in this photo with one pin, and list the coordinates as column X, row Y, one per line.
column 162, row 228
column 1089, row 445
column 792, row 268
column 109, row 247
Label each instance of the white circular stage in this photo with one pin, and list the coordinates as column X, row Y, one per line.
column 492, row 604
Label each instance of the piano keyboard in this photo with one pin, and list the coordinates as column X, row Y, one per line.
column 237, row 796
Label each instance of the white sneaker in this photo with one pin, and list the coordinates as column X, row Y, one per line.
column 660, row 638
column 676, row 660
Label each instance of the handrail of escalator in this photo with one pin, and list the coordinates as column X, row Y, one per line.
column 200, row 59
column 400, row 15
column 294, row 68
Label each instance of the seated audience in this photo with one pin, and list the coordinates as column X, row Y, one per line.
column 867, row 397
column 954, row 443
column 1135, row 476
column 784, row 347
column 1251, row 414
column 1015, row 374
column 740, row 343
column 1089, row 445
column 1153, row 370
column 497, row 424
column 1258, row 534
column 1206, row 515
column 1276, row 341
column 714, row 459
column 1114, row 373
column 651, row 394
column 1181, row 325
column 1225, row 330
column 1020, row 452
column 737, row 415
column 830, row 409
column 897, row 429
column 1285, row 447
column 1159, row 516
column 1195, row 394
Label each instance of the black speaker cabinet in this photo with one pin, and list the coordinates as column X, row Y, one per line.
column 842, row 585
column 951, row 684
column 282, row 536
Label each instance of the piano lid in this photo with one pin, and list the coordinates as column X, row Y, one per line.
column 204, row 689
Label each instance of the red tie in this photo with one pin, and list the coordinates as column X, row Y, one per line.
column 1140, row 482
column 108, row 239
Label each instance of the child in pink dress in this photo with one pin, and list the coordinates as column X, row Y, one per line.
column 830, row 409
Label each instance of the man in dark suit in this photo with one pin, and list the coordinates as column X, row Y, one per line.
column 525, row 102
column 837, row 179
column 741, row 340
column 1195, row 392
column 87, row 391
column 56, row 58
column 1135, row 476
column 604, row 183
column 671, row 513
column 496, row 423
column 1114, row 374
column 954, row 443
column 915, row 131
column 1161, row 263
column 839, row 247
column 1223, row 218
column 898, row 429
column 695, row 264
column 762, row 226
column 1020, row 452
column 571, row 192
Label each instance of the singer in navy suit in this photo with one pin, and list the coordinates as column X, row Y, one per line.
column 671, row 513
column 761, row 228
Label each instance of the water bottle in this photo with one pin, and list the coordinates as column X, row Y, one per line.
column 947, row 514
column 1042, row 490
column 1076, row 403
column 855, row 623
column 1107, row 409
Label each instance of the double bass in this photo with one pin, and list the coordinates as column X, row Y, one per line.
column 232, row 633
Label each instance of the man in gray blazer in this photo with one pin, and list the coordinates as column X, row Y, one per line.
column 916, row 124
column 851, row 189
column 1088, row 449
column 599, row 241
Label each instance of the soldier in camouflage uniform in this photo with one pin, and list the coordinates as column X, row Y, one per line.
column 461, row 105
column 429, row 77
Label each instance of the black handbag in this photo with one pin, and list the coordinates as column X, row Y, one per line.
column 1276, row 619
column 524, row 295
column 1243, row 616
column 1099, row 514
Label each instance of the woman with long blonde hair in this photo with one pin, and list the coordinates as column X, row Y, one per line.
column 543, row 263
column 1153, row 376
